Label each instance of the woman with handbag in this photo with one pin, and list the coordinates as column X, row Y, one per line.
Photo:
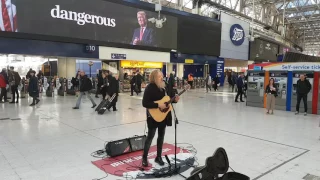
column 272, row 93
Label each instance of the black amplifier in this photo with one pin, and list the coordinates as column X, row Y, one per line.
column 116, row 148
column 137, row 143
column 119, row 147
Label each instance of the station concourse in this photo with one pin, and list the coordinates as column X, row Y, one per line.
column 52, row 141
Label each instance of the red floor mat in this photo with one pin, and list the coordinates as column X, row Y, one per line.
column 130, row 164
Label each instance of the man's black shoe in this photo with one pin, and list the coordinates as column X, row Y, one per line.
column 33, row 104
column 94, row 106
column 12, row 102
column 115, row 109
column 145, row 162
column 242, row 101
column 75, row 108
column 159, row 161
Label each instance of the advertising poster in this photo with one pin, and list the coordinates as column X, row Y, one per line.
column 93, row 20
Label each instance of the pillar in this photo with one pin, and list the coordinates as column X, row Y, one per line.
column 71, row 68
column 169, row 68
column 180, row 70
column 62, row 67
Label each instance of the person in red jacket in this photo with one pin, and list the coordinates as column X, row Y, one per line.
column 3, row 85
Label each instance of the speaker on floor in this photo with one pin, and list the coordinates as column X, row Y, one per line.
column 137, row 143
column 116, row 148
column 124, row 146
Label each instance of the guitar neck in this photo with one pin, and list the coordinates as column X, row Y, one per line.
column 179, row 94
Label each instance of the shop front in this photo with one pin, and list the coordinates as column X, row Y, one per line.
column 198, row 65
column 52, row 58
column 145, row 68
column 126, row 61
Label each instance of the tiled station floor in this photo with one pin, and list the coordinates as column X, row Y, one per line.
column 53, row 141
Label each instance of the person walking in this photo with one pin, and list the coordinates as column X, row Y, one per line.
column 139, row 80
column 85, row 87
column 105, row 84
column 33, row 88
column 3, row 85
column 216, row 82
column 208, row 82
column 113, row 89
column 133, row 84
column 190, row 80
column 240, row 88
column 272, row 93
column 303, row 89
column 233, row 80
column 14, row 81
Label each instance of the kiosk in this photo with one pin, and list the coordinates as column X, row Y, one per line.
column 255, row 91
column 281, row 80
column 295, row 78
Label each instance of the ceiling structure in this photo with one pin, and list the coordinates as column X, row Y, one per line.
column 301, row 20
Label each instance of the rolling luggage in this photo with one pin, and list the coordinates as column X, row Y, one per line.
column 105, row 104
column 102, row 103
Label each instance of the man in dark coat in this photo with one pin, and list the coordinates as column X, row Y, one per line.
column 85, row 87
column 113, row 89
column 139, row 80
column 14, row 81
column 303, row 89
column 240, row 85
column 33, row 88
column 133, row 83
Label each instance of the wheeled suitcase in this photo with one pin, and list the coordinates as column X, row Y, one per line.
column 102, row 104
column 106, row 105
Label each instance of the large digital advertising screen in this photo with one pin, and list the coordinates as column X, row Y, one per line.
column 89, row 19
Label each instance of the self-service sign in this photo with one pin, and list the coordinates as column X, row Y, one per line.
column 294, row 66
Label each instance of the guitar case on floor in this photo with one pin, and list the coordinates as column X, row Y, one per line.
column 105, row 104
column 215, row 166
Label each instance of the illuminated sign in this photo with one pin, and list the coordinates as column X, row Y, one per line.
column 188, row 61
column 139, row 64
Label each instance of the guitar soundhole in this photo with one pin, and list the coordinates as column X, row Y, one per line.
column 164, row 110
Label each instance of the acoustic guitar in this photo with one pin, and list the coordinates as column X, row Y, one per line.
column 160, row 115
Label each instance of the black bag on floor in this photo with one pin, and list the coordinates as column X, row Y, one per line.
column 49, row 93
column 71, row 92
column 61, row 92
column 106, row 105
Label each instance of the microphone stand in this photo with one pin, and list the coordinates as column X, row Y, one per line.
column 176, row 169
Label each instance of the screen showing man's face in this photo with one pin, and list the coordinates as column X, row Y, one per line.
column 142, row 19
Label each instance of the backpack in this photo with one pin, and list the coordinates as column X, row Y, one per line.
column 89, row 82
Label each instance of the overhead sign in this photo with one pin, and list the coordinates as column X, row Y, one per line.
column 118, row 56
column 189, row 61
column 237, row 34
column 299, row 66
column 139, row 64
column 257, row 68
